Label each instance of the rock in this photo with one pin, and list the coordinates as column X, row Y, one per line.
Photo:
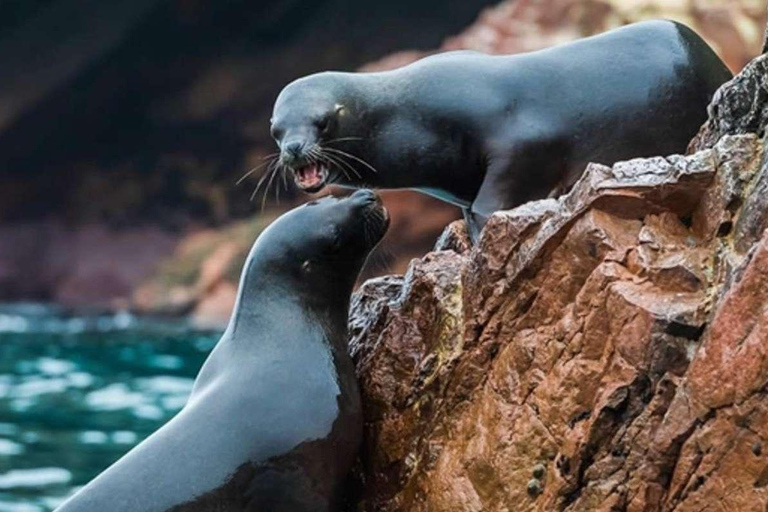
column 607, row 350
column 454, row 238
column 739, row 106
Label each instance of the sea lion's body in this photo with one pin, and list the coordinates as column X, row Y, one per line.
column 274, row 421
column 491, row 132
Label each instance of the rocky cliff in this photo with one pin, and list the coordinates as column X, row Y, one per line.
column 607, row 350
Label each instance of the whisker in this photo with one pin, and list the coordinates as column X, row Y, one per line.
column 251, row 172
column 312, row 154
column 338, row 151
column 325, row 160
column 343, row 138
column 277, row 187
column 266, row 174
column 266, row 189
column 285, row 178
column 316, row 155
column 367, row 227
column 341, row 164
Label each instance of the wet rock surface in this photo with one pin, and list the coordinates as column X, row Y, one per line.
column 607, row 350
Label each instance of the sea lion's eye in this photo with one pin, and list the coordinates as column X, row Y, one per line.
column 323, row 124
column 277, row 133
column 335, row 240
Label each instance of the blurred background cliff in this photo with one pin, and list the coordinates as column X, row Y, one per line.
column 124, row 126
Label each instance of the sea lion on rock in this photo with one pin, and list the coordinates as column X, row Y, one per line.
column 274, row 420
column 488, row 133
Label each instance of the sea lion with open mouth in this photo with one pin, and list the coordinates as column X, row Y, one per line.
column 488, row 133
column 274, row 421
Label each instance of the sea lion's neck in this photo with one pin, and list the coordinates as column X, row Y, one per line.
column 376, row 94
column 265, row 325
column 272, row 316
column 264, row 297
column 405, row 141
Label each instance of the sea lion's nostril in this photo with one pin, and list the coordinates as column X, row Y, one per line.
column 292, row 150
column 365, row 197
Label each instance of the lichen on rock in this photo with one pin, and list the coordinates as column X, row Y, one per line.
column 615, row 339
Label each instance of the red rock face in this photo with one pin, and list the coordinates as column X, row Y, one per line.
column 607, row 350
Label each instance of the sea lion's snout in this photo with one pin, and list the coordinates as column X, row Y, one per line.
column 292, row 151
column 373, row 213
column 365, row 197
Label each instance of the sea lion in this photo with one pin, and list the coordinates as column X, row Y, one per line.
column 491, row 132
column 274, row 420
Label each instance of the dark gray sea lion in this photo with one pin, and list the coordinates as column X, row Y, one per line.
column 274, row 420
column 491, row 132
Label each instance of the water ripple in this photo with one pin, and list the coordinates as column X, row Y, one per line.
column 78, row 392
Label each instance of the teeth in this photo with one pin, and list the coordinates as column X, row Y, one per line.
column 310, row 176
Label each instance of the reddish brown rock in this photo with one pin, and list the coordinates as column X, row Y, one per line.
column 607, row 350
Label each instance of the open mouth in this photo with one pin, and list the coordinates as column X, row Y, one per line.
column 311, row 178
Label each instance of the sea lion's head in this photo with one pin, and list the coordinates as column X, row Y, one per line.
column 322, row 245
column 315, row 124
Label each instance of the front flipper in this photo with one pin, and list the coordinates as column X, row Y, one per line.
column 475, row 223
column 496, row 193
column 525, row 172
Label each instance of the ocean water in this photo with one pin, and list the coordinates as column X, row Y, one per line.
column 77, row 392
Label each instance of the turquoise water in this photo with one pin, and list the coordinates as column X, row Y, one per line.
column 78, row 392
